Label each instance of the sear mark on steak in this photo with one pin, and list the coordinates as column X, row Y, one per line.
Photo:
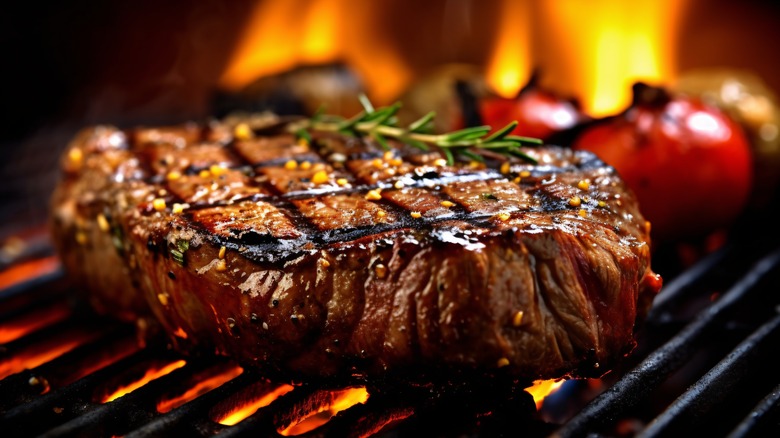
column 337, row 258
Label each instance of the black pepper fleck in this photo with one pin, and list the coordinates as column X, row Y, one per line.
column 171, row 275
column 275, row 303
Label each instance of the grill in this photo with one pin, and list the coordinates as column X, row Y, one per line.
column 705, row 363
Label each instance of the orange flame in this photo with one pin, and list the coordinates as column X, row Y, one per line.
column 32, row 321
column 342, row 400
column 151, row 374
column 510, row 64
column 608, row 45
column 283, row 35
column 27, row 270
column 542, row 388
column 200, row 388
column 43, row 352
column 251, row 406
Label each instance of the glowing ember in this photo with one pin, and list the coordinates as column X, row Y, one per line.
column 26, row 270
column 252, row 405
column 151, row 374
column 42, row 352
column 199, row 389
column 342, row 400
column 32, row 321
column 542, row 388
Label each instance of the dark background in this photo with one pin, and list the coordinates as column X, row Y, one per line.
column 74, row 63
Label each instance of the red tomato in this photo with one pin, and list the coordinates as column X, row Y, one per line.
column 540, row 114
column 689, row 164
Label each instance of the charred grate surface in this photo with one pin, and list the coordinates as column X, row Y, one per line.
column 706, row 363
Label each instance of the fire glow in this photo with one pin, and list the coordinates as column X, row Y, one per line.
column 593, row 51
column 152, row 373
column 249, row 407
column 342, row 400
column 541, row 389
column 43, row 352
column 201, row 387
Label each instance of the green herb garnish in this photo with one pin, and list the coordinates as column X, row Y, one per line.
column 381, row 124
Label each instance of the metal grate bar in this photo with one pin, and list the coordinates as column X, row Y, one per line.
column 639, row 382
column 187, row 419
column 763, row 420
column 126, row 412
column 716, row 387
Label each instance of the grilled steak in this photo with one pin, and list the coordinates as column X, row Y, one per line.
column 334, row 257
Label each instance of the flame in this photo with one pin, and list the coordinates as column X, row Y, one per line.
column 151, row 374
column 45, row 351
column 282, row 35
column 20, row 272
column 201, row 387
column 32, row 321
column 542, row 388
column 608, row 45
column 251, row 406
column 510, row 63
column 342, row 400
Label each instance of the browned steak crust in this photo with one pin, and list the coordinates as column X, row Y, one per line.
column 336, row 258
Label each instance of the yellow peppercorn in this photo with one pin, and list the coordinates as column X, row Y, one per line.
column 342, row 182
column 502, row 362
column 517, row 319
column 217, row 170
column 158, row 204
column 575, row 201
column 377, row 163
column 306, row 165
column 173, row 175
column 242, row 131
column 584, row 185
column 381, row 213
column 102, row 223
column 440, row 162
column 505, row 167
column 503, row 216
column 177, row 208
column 320, row 177
column 291, row 165
column 373, row 195
column 447, row 204
column 204, row 173
column 583, row 212
column 222, row 251
column 399, row 185
column 525, row 174
column 416, row 214
column 221, row 265
column 75, row 156
column 380, row 270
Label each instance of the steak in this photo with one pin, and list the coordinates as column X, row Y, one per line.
column 332, row 257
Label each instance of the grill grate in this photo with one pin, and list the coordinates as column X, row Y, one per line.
column 705, row 364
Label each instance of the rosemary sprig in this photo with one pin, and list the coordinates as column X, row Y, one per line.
column 381, row 124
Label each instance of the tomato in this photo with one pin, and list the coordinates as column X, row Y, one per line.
column 540, row 113
column 689, row 164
